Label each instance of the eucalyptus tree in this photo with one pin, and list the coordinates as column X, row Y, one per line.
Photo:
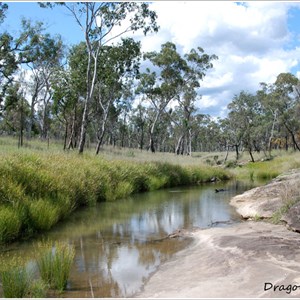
column 69, row 90
column 280, row 101
column 118, row 67
column 16, row 111
column 198, row 63
column 3, row 9
column 177, row 80
column 139, row 120
column 44, row 58
column 287, row 104
column 24, row 48
column 8, row 63
column 243, row 118
column 101, row 23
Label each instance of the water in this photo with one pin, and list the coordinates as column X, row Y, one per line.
column 120, row 244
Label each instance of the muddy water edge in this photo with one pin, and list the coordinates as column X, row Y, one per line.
column 120, row 244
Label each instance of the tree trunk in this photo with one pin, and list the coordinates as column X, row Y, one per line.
column 151, row 142
column 178, row 146
column 251, row 155
column 272, row 133
column 89, row 93
column 142, row 138
column 226, row 156
column 237, row 152
column 293, row 137
column 20, row 144
column 66, row 135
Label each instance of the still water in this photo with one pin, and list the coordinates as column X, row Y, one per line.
column 120, row 244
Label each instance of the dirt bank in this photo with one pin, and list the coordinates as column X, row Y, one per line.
column 247, row 260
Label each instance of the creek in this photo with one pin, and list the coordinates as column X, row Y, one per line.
column 120, row 244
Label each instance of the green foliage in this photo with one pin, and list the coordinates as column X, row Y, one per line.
column 54, row 263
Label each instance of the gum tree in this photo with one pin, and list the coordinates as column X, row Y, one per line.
column 177, row 79
column 101, row 23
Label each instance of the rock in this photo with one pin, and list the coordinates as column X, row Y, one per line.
column 231, row 262
column 292, row 217
column 265, row 200
column 220, row 190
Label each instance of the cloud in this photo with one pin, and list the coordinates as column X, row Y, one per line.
column 250, row 40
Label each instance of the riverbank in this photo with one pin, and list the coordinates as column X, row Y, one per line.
column 37, row 190
column 246, row 260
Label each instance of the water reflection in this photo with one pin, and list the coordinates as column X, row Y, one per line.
column 119, row 244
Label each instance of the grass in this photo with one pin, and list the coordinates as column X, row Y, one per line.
column 18, row 282
column 269, row 169
column 39, row 188
column 276, row 217
column 15, row 280
column 54, row 264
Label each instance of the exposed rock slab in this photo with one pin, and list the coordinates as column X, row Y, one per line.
column 265, row 200
column 231, row 262
column 292, row 217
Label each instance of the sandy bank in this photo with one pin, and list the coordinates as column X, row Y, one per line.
column 246, row 260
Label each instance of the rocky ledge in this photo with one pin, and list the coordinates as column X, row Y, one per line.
column 247, row 260
column 264, row 201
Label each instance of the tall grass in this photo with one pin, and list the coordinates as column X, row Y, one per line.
column 54, row 263
column 15, row 280
column 38, row 189
column 18, row 282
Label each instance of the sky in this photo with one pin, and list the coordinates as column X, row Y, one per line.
column 254, row 41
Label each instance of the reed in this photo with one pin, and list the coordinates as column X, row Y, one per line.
column 54, row 264
column 10, row 224
column 15, row 278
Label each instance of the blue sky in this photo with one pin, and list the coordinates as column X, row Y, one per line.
column 254, row 41
column 57, row 20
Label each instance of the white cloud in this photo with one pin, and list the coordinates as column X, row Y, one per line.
column 250, row 41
